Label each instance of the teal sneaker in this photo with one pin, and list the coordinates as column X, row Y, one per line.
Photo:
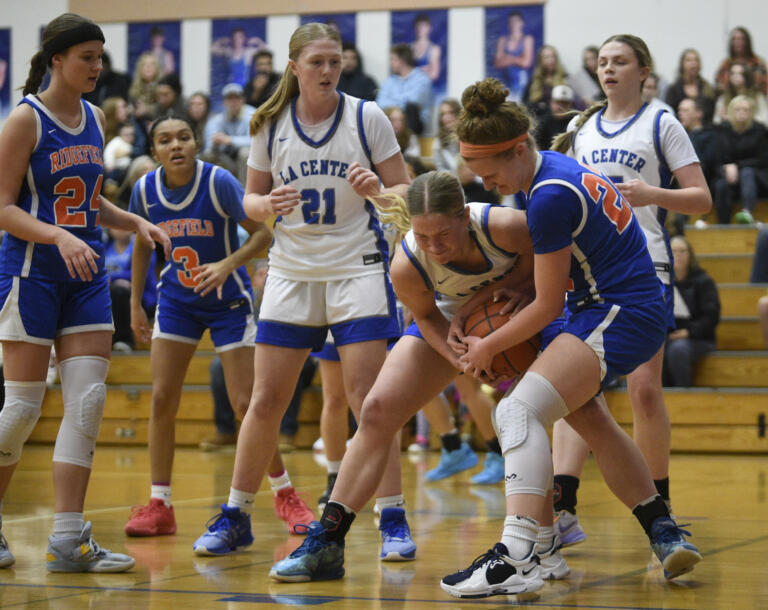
column 744, row 217
column 6, row 557
column 492, row 472
column 676, row 554
column 453, row 462
column 82, row 554
column 316, row 559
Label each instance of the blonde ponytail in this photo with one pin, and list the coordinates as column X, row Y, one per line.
column 396, row 213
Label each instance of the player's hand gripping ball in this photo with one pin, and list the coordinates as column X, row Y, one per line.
column 513, row 361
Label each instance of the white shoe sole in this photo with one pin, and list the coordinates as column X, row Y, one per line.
column 679, row 563
column 530, row 586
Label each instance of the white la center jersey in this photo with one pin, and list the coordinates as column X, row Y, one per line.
column 454, row 286
column 625, row 150
column 333, row 233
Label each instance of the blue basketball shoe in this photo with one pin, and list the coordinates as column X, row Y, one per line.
column 316, row 559
column 396, row 541
column 492, row 472
column 676, row 554
column 453, row 462
column 228, row 531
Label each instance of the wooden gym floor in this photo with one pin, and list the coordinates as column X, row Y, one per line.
column 722, row 497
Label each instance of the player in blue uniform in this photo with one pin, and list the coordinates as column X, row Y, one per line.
column 53, row 286
column 204, row 284
column 587, row 243
column 640, row 147
column 312, row 154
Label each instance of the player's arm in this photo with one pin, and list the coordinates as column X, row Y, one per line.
column 693, row 196
column 551, row 273
column 117, row 218
column 140, row 258
column 420, row 301
column 392, row 173
column 261, row 201
column 508, row 229
column 213, row 275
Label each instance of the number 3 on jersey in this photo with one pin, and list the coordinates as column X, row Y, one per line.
column 188, row 259
column 71, row 193
column 604, row 194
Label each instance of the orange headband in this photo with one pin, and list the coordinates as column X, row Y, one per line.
column 482, row 151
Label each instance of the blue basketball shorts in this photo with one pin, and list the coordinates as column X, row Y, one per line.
column 669, row 300
column 299, row 314
column 38, row 311
column 232, row 326
column 622, row 337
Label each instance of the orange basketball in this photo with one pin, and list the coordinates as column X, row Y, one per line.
column 513, row 361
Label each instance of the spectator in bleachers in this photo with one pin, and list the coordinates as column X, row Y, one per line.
column 555, row 120
column 697, row 312
column 116, row 115
column 585, row 84
column 353, row 80
column 409, row 143
column 117, row 261
column 740, row 51
column 142, row 93
column 741, row 82
column 110, row 83
column 407, row 88
column 547, row 74
column 445, row 154
column 690, row 85
column 228, row 134
column 745, row 153
column 263, row 81
column 168, row 96
column 706, row 142
column 138, row 167
column 650, row 93
column 198, row 109
column 117, row 153
column 445, row 150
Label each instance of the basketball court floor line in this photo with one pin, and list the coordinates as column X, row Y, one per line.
column 289, row 599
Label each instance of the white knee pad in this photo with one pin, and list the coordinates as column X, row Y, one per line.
column 84, row 394
column 521, row 421
column 18, row 417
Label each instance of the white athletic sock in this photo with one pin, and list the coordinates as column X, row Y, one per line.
column 390, row 502
column 544, row 539
column 519, row 535
column 67, row 525
column 333, row 466
column 161, row 492
column 241, row 499
column 279, row 481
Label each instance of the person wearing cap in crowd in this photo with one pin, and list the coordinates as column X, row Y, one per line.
column 556, row 119
column 227, row 134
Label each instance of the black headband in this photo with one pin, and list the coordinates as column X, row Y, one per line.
column 84, row 32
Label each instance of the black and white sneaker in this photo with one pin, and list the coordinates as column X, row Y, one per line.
column 495, row 573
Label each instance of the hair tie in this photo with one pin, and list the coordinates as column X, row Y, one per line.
column 85, row 32
column 482, row 151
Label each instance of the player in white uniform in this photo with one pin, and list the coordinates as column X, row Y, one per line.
column 312, row 154
column 640, row 147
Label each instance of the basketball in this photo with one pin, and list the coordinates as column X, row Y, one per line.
column 513, row 361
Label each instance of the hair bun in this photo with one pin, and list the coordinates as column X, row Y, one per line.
column 484, row 97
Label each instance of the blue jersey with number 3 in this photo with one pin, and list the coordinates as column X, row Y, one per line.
column 201, row 219
column 62, row 187
column 570, row 205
